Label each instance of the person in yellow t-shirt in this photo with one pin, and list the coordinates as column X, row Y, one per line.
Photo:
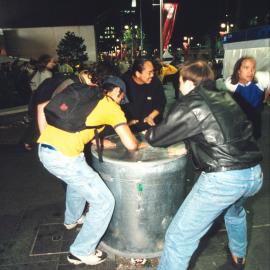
column 162, row 69
column 62, row 155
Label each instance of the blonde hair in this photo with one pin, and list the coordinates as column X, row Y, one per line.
column 196, row 71
column 81, row 76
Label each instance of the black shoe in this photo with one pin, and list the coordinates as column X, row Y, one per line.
column 28, row 146
column 233, row 262
column 239, row 264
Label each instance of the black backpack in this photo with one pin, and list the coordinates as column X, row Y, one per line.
column 69, row 107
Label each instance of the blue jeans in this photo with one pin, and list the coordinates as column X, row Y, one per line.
column 83, row 185
column 213, row 194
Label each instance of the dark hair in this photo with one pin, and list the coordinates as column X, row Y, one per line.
column 196, row 71
column 102, row 70
column 138, row 64
column 108, row 87
column 157, row 65
column 42, row 62
column 237, row 66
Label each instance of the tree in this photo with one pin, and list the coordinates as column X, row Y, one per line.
column 131, row 37
column 71, row 50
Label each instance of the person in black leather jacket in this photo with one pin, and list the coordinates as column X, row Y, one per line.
column 219, row 138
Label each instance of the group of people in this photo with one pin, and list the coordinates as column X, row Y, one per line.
column 217, row 134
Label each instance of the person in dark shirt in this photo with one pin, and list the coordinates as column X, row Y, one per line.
column 145, row 94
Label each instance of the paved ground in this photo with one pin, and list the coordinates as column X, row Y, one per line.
column 32, row 204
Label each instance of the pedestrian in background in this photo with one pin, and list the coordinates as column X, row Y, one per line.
column 44, row 67
column 249, row 92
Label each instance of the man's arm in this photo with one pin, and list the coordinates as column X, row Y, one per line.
column 150, row 118
column 159, row 101
column 127, row 137
column 41, row 119
column 179, row 124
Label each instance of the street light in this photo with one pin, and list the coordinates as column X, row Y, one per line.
column 186, row 45
column 187, row 39
column 226, row 26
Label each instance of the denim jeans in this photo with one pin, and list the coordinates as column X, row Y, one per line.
column 213, row 194
column 83, row 185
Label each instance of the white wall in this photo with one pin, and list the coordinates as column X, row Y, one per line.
column 32, row 42
column 259, row 49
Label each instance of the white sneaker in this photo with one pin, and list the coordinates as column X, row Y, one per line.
column 73, row 225
column 92, row 259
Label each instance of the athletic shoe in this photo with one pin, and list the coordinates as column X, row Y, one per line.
column 73, row 225
column 92, row 259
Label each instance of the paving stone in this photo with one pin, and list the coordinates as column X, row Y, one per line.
column 48, row 240
column 8, row 226
column 32, row 266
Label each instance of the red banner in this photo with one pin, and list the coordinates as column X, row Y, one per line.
column 168, row 15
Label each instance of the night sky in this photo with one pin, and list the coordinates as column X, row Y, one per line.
column 195, row 17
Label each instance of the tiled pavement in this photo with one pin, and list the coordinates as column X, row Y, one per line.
column 32, row 236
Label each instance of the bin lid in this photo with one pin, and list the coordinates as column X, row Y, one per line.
column 147, row 154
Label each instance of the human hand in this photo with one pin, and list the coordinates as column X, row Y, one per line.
column 177, row 150
column 107, row 144
column 133, row 122
column 149, row 120
column 142, row 145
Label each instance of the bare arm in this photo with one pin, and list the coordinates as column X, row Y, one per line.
column 150, row 118
column 41, row 119
column 127, row 137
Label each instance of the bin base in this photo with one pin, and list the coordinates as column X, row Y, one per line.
column 128, row 254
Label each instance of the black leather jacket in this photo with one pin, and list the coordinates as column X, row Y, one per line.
column 216, row 131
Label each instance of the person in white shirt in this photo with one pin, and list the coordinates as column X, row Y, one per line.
column 250, row 90
column 45, row 65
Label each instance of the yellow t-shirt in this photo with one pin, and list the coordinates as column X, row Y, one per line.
column 167, row 70
column 106, row 112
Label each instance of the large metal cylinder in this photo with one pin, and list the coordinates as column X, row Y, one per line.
column 148, row 186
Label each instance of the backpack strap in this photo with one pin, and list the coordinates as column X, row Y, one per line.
column 99, row 145
column 98, row 140
column 62, row 86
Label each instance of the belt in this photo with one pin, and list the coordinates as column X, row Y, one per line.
column 230, row 168
column 48, row 146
